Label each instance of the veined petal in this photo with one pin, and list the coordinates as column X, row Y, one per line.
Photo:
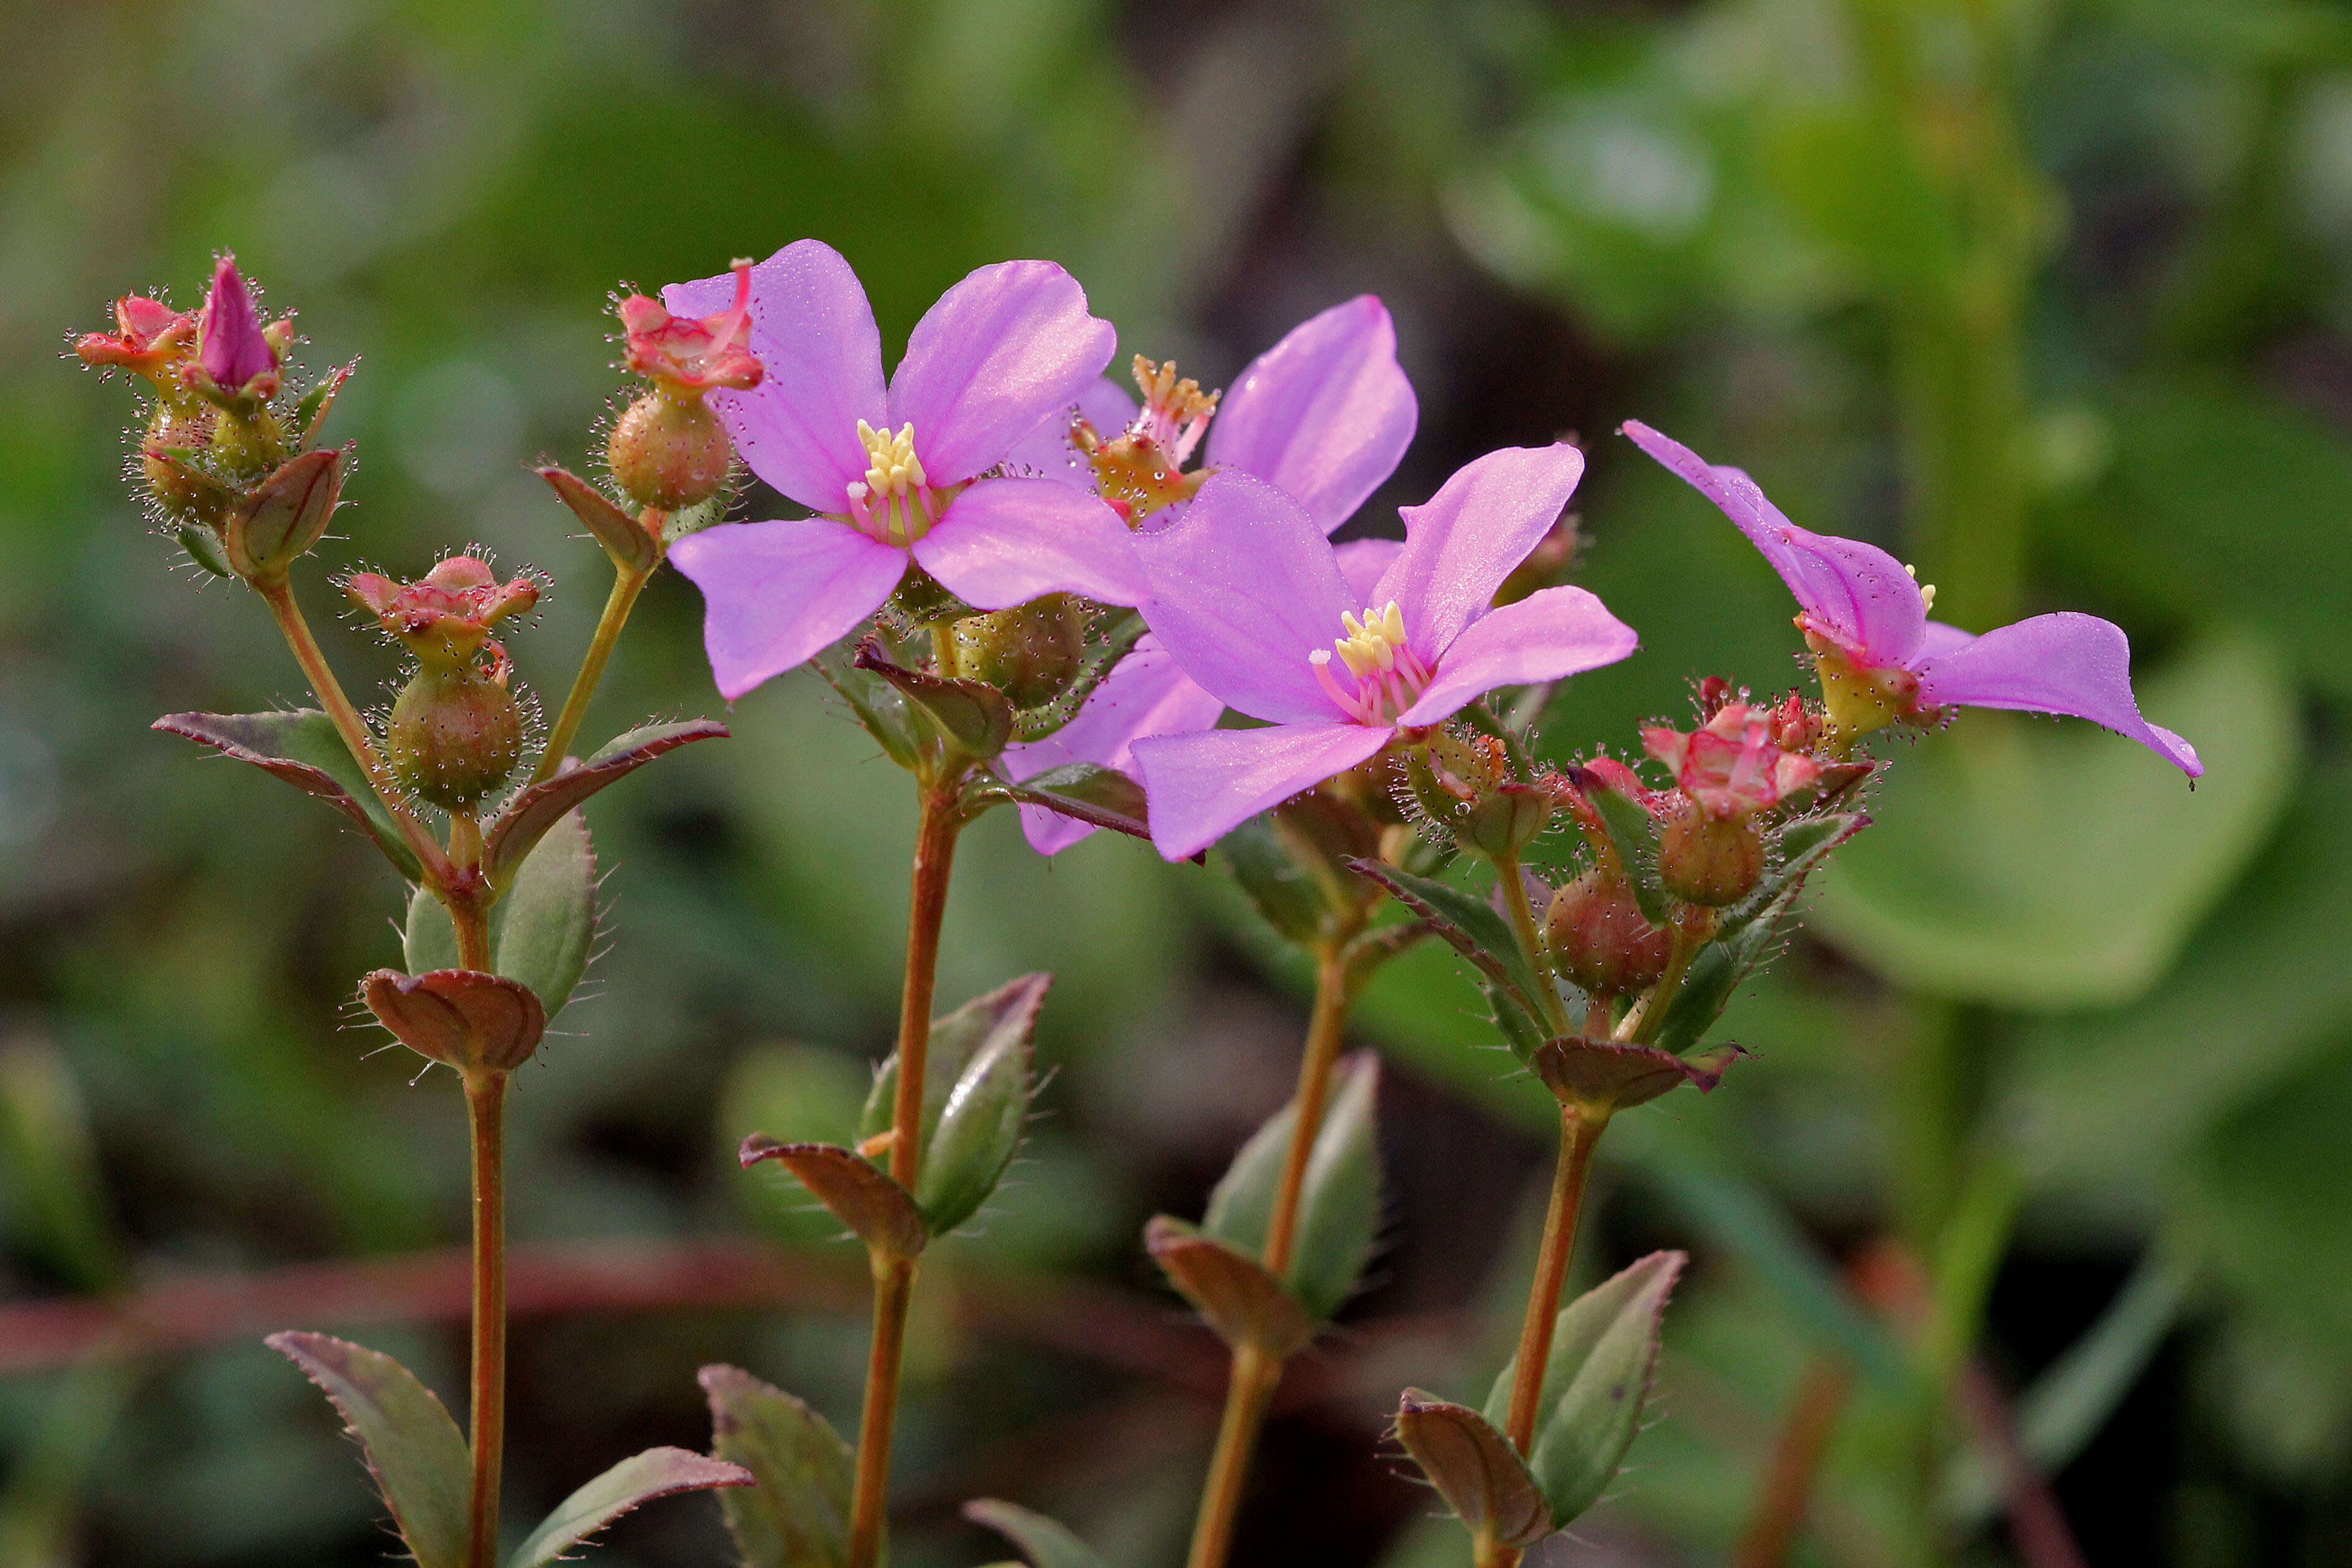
column 1046, row 453
column 814, row 335
column 1147, row 694
column 1859, row 593
column 1550, row 635
column 1240, row 591
column 1326, row 413
column 1005, row 542
column 1463, row 540
column 1205, row 785
column 775, row 595
column 1362, row 564
column 2064, row 663
column 1005, row 347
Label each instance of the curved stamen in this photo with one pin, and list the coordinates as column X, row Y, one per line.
column 1388, row 677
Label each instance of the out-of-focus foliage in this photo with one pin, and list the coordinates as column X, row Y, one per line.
column 1695, row 214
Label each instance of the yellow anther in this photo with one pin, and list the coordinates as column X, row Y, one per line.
column 1175, row 402
column 892, row 467
column 1373, row 641
column 1926, row 589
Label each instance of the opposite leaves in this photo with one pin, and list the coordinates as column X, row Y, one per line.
column 975, row 1098
column 1339, row 1201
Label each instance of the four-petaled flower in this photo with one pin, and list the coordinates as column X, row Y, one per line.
column 899, row 475
column 148, row 336
column 237, row 356
column 1324, row 414
column 693, row 354
column 1248, row 596
column 1881, row 658
column 1732, row 766
column 445, row 616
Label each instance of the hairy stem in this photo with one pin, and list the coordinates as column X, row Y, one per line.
column 1251, row 1388
column 279, row 597
column 486, row 1098
column 626, row 585
column 894, row 1277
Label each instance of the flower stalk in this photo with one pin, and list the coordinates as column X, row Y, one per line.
column 485, row 1095
column 628, row 582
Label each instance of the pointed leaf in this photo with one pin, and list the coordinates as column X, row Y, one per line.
column 311, row 412
column 885, row 712
column 1634, row 834
column 546, row 920
column 861, row 1194
column 989, row 1037
column 973, row 715
column 1802, row 845
column 410, row 1446
column 1613, row 1075
column 631, row 547
column 1047, row 1542
column 459, row 1017
column 1244, row 1303
column 1469, row 923
column 1102, row 796
column 1339, row 1201
column 429, row 940
column 304, row 748
column 1604, row 1349
column 797, row 1516
column 1520, row 1032
column 640, row 1479
column 1286, row 895
column 1474, row 1468
column 536, row 808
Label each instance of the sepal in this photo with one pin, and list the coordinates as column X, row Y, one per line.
column 274, row 524
column 860, row 1194
column 1474, row 1468
column 311, row 412
column 635, row 1482
column 975, row 1100
column 1046, row 1542
column 797, row 1516
column 471, row 1021
column 1338, row 1203
column 304, row 748
column 1246, row 1306
column 407, row 1440
column 1633, row 835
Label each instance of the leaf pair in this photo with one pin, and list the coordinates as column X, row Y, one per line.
column 541, row 928
column 976, row 1083
column 1605, row 1349
column 1216, row 1265
column 420, row 1462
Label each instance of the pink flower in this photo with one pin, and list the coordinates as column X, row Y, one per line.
column 148, row 336
column 232, row 347
column 693, row 354
column 1249, row 599
column 898, row 475
column 1881, row 658
column 1325, row 415
column 1733, row 764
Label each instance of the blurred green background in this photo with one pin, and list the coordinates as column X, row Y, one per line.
column 2054, row 298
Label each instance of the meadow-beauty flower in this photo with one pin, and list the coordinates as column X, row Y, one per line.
column 1325, row 415
column 898, row 475
column 693, row 354
column 234, row 352
column 1248, row 597
column 1881, row 658
column 1734, row 764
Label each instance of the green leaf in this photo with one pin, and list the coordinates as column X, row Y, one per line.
column 1474, row 1468
column 410, row 1445
column 797, row 1516
column 975, row 1098
column 536, row 808
column 1244, row 1304
column 636, row 1480
column 1339, row 1200
column 428, row 941
column 971, row 715
column 1102, row 796
column 304, row 748
column 885, row 712
column 1749, row 930
column 625, row 539
column 1047, row 1542
column 1469, row 923
column 1288, row 897
column 1604, row 1349
column 1634, row 834
column 2045, row 865
column 541, row 930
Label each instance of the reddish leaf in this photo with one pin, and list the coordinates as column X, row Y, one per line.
column 459, row 1017
column 861, row 1194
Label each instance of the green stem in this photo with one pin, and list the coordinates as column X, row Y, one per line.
column 279, row 597
column 1523, row 922
column 486, row 1116
column 1250, row 1389
column 626, row 585
column 894, row 1277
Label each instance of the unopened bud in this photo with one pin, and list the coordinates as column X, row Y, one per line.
column 1707, row 860
column 237, row 359
column 456, row 733
column 1505, row 819
column 1030, row 652
column 668, row 449
column 1600, row 939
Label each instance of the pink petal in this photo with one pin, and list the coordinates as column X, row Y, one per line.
column 1857, row 591
column 1363, row 561
column 813, row 333
column 1205, row 785
column 1000, row 352
column 1550, row 635
column 1005, row 542
column 1046, row 453
column 1463, row 540
column 1241, row 591
column 1325, row 414
column 2064, row 663
column 1147, row 694
column 776, row 594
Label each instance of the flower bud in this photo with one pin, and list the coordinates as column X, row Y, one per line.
column 1707, row 860
column 1030, row 652
column 668, row 450
column 456, row 733
column 237, row 359
column 1505, row 819
column 1600, row 939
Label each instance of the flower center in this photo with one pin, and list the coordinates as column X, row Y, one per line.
column 1141, row 468
column 895, row 502
column 1388, row 675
